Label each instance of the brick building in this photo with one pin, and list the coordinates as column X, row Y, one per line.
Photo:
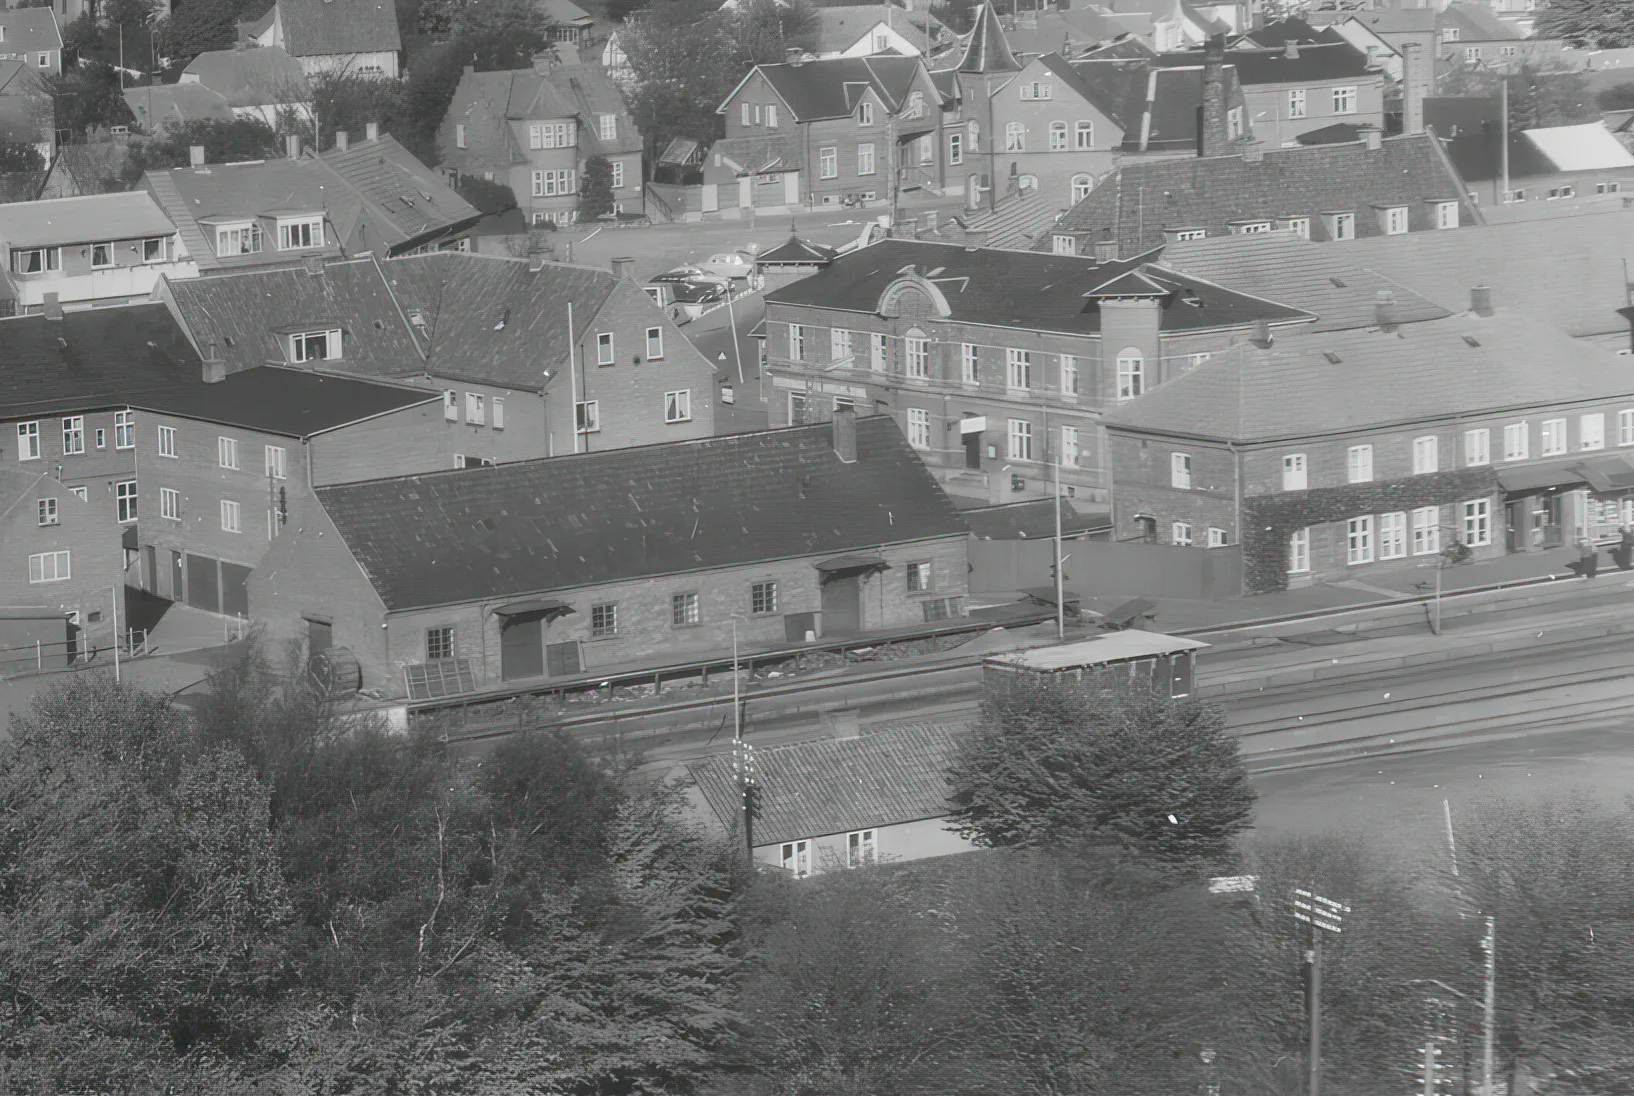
column 991, row 361
column 1336, row 454
column 56, row 553
column 1544, row 165
column 618, row 559
column 98, row 249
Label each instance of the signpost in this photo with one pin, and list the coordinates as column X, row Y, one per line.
column 1320, row 915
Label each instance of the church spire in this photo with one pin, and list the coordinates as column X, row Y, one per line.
column 987, row 51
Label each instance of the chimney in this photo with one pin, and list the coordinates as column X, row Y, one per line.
column 1384, row 309
column 1211, row 123
column 1480, row 300
column 930, row 222
column 794, row 55
column 313, row 264
column 343, row 140
column 51, row 306
column 371, row 131
column 195, row 155
column 1374, row 138
column 1106, row 248
column 1290, row 50
column 975, row 239
column 542, row 62
column 845, row 434
column 624, row 267
column 292, row 145
column 214, row 369
column 1416, row 79
column 1263, row 338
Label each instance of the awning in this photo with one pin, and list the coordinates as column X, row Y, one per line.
column 536, row 607
column 1530, row 478
column 1608, row 474
column 843, row 566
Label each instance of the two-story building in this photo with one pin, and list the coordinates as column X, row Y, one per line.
column 1183, row 104
column 57, row 558
column 533, row 130
column 1334, row 455
column 1547, row 164
column 265, row 84
column 345, row 37
column 97, row 249
column 496, row 577
column 996, row 365
column 31, row 35
column 861, row 30
column 1473, row 36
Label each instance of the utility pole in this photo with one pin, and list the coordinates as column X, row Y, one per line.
column 1319, row 915
column 1503, row 135
column 743, row 767
column 115, row 592
column 1490, row 1006
column 1053, row 455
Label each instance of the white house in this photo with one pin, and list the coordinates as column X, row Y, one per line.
column 356, row 37
column 98, row 249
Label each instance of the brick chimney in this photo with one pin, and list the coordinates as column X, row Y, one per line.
column 1384, row 310
column 845, row 434
column 1290, row 50
column 624, row 268
column 214, row 370
column 1263, row 337
column 343, row 140
column 313, row 264
column 1373, row 137
column 1417, row 77
column 371, row 131
column 51, row 306
column 1480, row 300
column 195, row 155
column 975, row 239
column 1211, row 127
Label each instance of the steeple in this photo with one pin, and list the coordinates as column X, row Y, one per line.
column 987, row 51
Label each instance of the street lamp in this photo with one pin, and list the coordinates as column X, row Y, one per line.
column 1453, row 555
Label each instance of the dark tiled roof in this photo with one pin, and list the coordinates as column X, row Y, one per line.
column 1476, row 23
column 1292, row 29
column 1313, row 384
column 1327, row 61
column 1068, row 32
column 318, row 27
column 987, row 51
column 1029, row 520
column 286, row 401
column 564, row 522
column 1142, row 199
column 176, row 104
column 1022, row 289
column 487, row 103
column 840, row 28
column 1016, row 220
column 1395, row 20
column 797, row 251
column 1069, row 76
column 1340, row 133
column 829, row 786
column 29, row 29
column 405, row 197
column 251, row 77
column 828, row 88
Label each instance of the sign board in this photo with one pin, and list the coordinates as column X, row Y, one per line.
column 1232, row 884
column 973, row 425
column 796, row 384
column 1318, row 912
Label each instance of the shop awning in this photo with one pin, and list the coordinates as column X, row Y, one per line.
column 1609, row 474
column 535, row 607
column 843, row 566
column 1540, row 477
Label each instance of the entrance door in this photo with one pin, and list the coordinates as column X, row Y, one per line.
column 842, row 606
column 150, row 569
column 178, row 584
column 235, row 589
column 203, row 591
column 973, row 449
column 1517, row 535
column 522, row 649
column 320, row 636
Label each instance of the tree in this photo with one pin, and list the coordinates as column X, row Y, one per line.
column 1616, row 97
column 346, row 103
column 88, row 98
column 223, row 142
column 958, row 15
column 1051, row 763
column 1538, row 97
column 596, row 189
column 1602, row 24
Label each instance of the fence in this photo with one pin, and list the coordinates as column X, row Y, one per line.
column 88, row 647
column 1097, row 568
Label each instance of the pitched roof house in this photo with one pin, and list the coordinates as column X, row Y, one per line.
column 31, row 35
column 261, row 83
column 156, row 107
column 1545, row 164
column 352, row 37
column 857, row 31
column 97, row 249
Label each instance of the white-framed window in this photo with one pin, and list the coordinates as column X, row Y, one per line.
column 1234, row 123
column 655, row 343
column 1021, row 439
column 1426, row 530
column 1069, row 447
column 49, row 567
column 1359, row 464
column 1516, row 437
column 155, row 250
column 919, row 428
column 955, row 149
column 451, row 405
column 1034, row 89
column 608, row 127
column 73, row 435
column 921, row 577
column 1446, row 215
column 1018, row 369
column 476, row 409
column 865, row 159
column 916, row 355
column 1340, row 226
column 678, row 405
column 167, row 441
column 1069, row 376
column 1344, row 100
column 124, row 429
column 124, row 494
column 618, row 174
column 1591, row 431
column 877, row 356
column 1478, row 522
column 861, row 847
column 746, row 114
column 762, row 598
column 239, row 238
column 1449, row 34
column 1625, row 427
column 1131, row 373
column 1015, row 137
column 1216, row 537
column 553, row 183
column 277, row 459
column 101, row 438
column 1062, row 243
column 1359, row 540
column 1299, row 551
column 1477, row 447
column 1553, row 435
column 970, row 362
column 499, row 412
column 1081, row 187
column 80, row 493
column 796, row 858
column 1058, row 137
column 555, row 134
column 1294, row 468
column 604, row 348
column 587, row 416
column 1296, row 103
column 865, row 113
column 771, row 115
column 295, row 233
column 46, row 512
column 839, row 344
column 231, row 517
column 101, row 256
column 227, row 452
column 170, row 504
column 1392, row 535
column 28, row 441
column 1426, row 455
column 459, row 134
column 314, row 346
column 828, row 162
column 797, row 342
column 1083, row 135
column 36, row 260
column 1472, row 53
column 1395, row 221
column 1180, row 533
column 1180, row 471
column 1300, row 226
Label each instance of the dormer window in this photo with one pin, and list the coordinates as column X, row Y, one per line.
column 555, row 134
column 295, row 233
column 1446, row 215
column 314, row 346
column 1393, row 220
column 153, row 250
column 1340, row 226
column 240, row 238
column 1250, row 228
column 865, row 113
column 1064, row 244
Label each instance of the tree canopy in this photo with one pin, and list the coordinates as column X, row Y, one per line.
column 1601, row 24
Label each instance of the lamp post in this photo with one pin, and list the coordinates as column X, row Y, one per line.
column 1451, row 556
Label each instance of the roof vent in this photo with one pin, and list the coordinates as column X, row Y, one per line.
column 1333, row 359
column 1263, row 338
column 1338, row 282
column 1480, row 300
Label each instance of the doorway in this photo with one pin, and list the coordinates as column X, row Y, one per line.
column 973, row 449
column 842, row 606
column 521, row 648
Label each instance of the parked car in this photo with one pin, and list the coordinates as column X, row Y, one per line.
column 728, row 264
column 696, row 292
column 689, row 273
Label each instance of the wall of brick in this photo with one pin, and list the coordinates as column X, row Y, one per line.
column 421, row 439
column 86, row 530
column 1268, row 107
column 97, row 462
column 1143, row 488
column 894, row 844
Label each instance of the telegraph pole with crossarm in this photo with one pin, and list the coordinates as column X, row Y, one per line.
column 1319, row 915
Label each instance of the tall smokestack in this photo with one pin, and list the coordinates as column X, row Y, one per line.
column 1211, row 127
column 1415, row 86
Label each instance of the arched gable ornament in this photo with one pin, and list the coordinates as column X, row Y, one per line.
column 913, row 295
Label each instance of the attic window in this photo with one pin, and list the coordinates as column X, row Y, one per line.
column 1471, row 340
column 239, row 238
column 1333, row 359
column 310, row 346
column 228, row 339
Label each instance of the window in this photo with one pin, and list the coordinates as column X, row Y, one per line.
column 1250, row 228
column 238, row 239
column 229, row 516
column 1472, row 53
column 1395, row 221
column 459, row 134
column 1300, row 226
column 299, row 232
column 1035, row 90
column 683, row 609
column 451, row 405
column 861, row 848
column 167, row 441
column 499, row 413
column 73, row 435
column 1069, row 375
column 1359, row 541
column 1426, row 456
column 1234, row 123
column 604, row 620
column 124, row 429
column 865, row 113
column 975, row 133
column 919, row 428
column 1446, row 215
column 1392, row 535
column 1081, row 186
column 28, row 441
column 1293, row 472
column 1015, row 137
column 1083, row 136
column 796, row 856
column 970, row 361
column 39, row 260
column 828, row 162
column 1296, row 103
column 101, row 438
column 1344, row 100
column 1426, row 530
column 1069, row 447
column 1180, row 533
column 555, row 134
column 865, row 159
column 1515, row 441
column 771, row 115
column 604, row 348
column 587, row 416
column 1058, row 136
column 1299, row 551
column 1216, row 538
column 678, row 406
column 550, row 184
column 839, row 344
column 79, row 493
column 1607, row 188
column 747, row 114
column 608, row 127
column 618, row 174
column 313, row 346
column 876, row 353
column 1625, row 427
column 1341, row 226
column 797, row 408
column 797, row 342
column 439, row 643
column 170, row 503
column 1021, row 439
column 101, row 256
column 655, row 343
column 1449, row 34
column 227, row 452
column 1591, row 432
column 1359, row 464
column 1554, row 437
column 1064, row 244
column 49, row 567
column 1131, row 373
column 919, row 577
column 1478, row 522
column 763, row 597
column 47, row 511
column 955, row 149
column 916, row 353
column 1477, row 448
column 476, row 411
column 1018, row 372
column 153, row 251
column 1180, row 471
column 1507, row 51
